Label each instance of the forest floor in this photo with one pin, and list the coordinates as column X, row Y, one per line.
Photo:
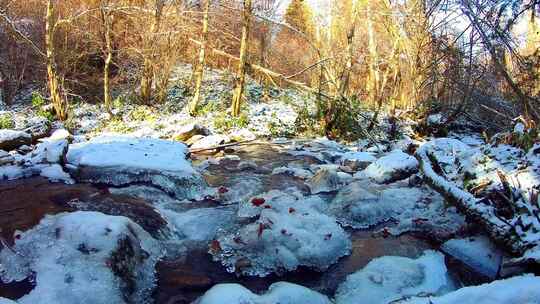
column 144, row 208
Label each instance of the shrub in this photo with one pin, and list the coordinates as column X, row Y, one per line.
column 6, row 122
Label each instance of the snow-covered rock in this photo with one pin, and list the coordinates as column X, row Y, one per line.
column 83, row 257
column 6, row 158
column 38, row 127
column 278, row 293
column 523, row 289
column 186, row 132
column 60, row 134
column 199, row 224
column 12, row 139
column 242, row 135
column 357, row 160
column 53, row 152
column 123, row 160
column 390, row 168
column 477, row 252
column 210, row 142
column 325, row 180
column 13, row 172
column 289, row 231
column 55, row 173
column 296, row 172
column 390, row 278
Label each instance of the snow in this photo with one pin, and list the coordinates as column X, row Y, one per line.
column 8, row 135
column 55, row 173
column 296, row 172
column 523, row 290
column 325, row 180
column 199, row 224
column 125, row 160
column 434, row 119
column 278, row 293
column 210, row 142
column 357, row 160
column 393, row 167
column 13, row 172
column 478, row 252
column 391, row 278
column 83, row 257
column 289, row 231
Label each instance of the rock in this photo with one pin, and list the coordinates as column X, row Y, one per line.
column 60, row 134
column 194, row 139
column 393, row 167
column 210, row 142
column 186, row 132
column 278, row 293
column 325, row 180
column 242, row 135
column 357, row 160
column 38, row 127
column 477, row 252
column 84, row 257
column 6, row 158
column 122, row 161
column 287, row 231
column 388, row 279
column 11, row 139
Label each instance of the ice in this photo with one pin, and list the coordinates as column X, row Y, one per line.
column 296, row 172
column 55, row 173
column 357, row 160
column 288, row 231
column 49, row 152
column 477, row 252
column 124, row 160
column 325, row 180
column 6, row 301
column 391, row 278
column 13, row 172
column 84, row 257
column 519, row 290
column 199, row 224
column 278, row 293
column 390, row 168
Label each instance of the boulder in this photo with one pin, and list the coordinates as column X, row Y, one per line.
column 121, row 161
column 357, row 160
column 389, row 278
column 12, row 139
column 6, row 158
column 242, row 135
column 84, row 257
column 393, row 167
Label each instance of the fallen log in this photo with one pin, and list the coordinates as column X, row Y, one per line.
column 476, row 210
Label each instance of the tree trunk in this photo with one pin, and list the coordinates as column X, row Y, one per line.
column 106, row 16
column 199, row 69
column 241, row 75
column 60, row 104
column 147, row 77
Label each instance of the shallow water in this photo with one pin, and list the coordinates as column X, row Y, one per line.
column 183, row 278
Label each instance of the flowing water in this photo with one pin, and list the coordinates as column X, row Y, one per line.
column 182, row 278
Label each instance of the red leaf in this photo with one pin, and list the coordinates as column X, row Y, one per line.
column 258, row 201
column 223, row 190
column 215, row 246
column 292, row 210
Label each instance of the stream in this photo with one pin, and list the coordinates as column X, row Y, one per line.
column 183, row 277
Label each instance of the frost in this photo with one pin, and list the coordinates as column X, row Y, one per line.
column 389, row 278
column 278, row 293
column 289, row 231
column 84, row 257
column 390, row 168
column 523, row 289
column 123, row 160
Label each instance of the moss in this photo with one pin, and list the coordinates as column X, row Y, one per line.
column 225, row 122
column 143, row 113
column 6, row 122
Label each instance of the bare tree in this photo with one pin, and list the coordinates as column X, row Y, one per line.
column 244, row 46
column 199, row 69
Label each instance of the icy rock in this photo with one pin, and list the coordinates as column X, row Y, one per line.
column 278, row 293
column 13, row 172
column 60, row 134
column 289, row 231
column 84, row 257
column 123, row 160
column 194, row 139
column 242, row 135
column 359, row 207
column 391, row 278
column 200, row 224
column 53, row 152
column 6, row 301
column 523, row 289
column 393, row 167
column 324, row 180
column 210, row 142
column 357, row 160
column 55, row 173
column 6, row 158
column 38, row 127
column 12, row 139
column 477, row 252
column 186, row 132
column 296, row 172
